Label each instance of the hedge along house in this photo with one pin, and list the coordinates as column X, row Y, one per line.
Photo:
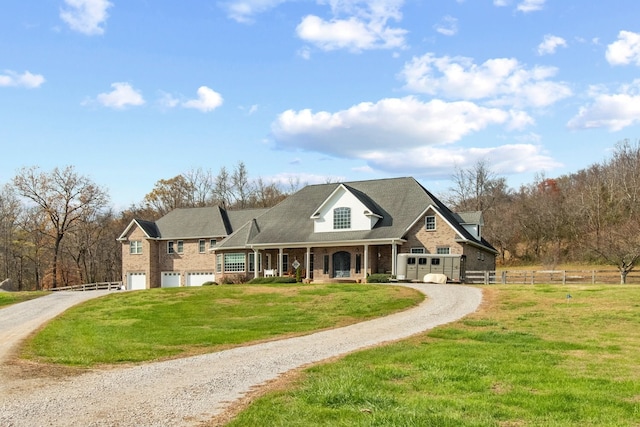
column 331, row 232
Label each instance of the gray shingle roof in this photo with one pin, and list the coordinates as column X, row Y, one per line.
column 474, row 217
column 206, row 222
column 400, row 202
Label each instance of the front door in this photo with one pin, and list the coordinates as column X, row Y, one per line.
column 342, row 264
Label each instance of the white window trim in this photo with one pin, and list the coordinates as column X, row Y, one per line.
column 135, row 247
column 344, row 221
column 426, row 223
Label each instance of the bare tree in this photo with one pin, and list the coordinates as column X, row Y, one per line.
column 223, row 188
column 65, row 197
column 201, row 183
column 10, row 210
column 169, row 194
column 242, row 188
column 610, row 197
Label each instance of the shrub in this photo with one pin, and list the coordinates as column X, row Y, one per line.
column 209, row 283
column 378, row 278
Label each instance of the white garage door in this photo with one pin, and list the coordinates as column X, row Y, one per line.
column 170, row 279
column 136, row 281
column 197, row 279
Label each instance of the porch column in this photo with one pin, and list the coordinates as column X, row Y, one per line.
column 366, row 263
column 394, row 256
column 280, row 253
column 256, row 261
column 308, row 264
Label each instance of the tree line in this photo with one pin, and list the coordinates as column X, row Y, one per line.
column 590, row 216
column 57, row 227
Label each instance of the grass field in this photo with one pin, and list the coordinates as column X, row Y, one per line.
column 531, row 356
column 8, row 298
column 175, row 322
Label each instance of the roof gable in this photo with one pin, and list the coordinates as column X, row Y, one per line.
column 148, row 228
column 361, row 211
column 397, row 201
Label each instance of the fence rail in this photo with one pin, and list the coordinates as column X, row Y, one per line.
column 550, row 277
column 91, row 287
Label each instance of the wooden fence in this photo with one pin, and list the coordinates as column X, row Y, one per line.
column 561, row 277
column 110, row 286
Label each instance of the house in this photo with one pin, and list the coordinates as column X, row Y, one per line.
column 330, row 232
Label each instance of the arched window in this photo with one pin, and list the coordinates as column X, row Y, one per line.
column 341, row 218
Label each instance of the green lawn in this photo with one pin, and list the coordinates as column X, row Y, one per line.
column 532, row 356
column 163, row 323
column 8, row 298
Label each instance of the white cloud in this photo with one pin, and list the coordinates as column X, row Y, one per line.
column 501, row 3
column 208, row 100
column 499, row 81
column 244, row 10
column 408, row 136
column 437, row 162
column 26, row 79
column 612, row 111
column 122, row 96
column 550, row 44
column 86, row 16
column 389, row 125
column 356, row 25
column 625, row 50
column 448, row 26
column 530, row 5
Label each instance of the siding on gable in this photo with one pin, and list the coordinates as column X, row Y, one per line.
column 343, row 198
column 443, row 235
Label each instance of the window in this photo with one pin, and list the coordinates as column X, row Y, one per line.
column 341, row 218
column 411, row 261
column 422, row 261
column 180, row 246
column 358, row 263
column 435, row 261
column 325, row 265
column 443, row 250
column 212, row 243
column 252, row 257
column 234, row 262
column 418, row 251
column 170, row 249
column 218, row 263
column 135, row 247
column 201, row 246
column 430, row 222
column 285, row 263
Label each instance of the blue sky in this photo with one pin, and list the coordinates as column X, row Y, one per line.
column 131, row 92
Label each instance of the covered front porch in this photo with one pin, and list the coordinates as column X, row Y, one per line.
column 343, row 262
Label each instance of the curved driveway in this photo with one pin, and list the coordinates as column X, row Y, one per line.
column 186, row 392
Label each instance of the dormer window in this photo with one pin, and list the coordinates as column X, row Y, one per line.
column 341, row 218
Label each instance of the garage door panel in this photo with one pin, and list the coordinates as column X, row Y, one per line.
column 170, row 279
column 136, row 281
column 197, row 279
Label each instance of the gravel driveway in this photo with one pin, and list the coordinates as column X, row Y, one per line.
column 186, row 392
